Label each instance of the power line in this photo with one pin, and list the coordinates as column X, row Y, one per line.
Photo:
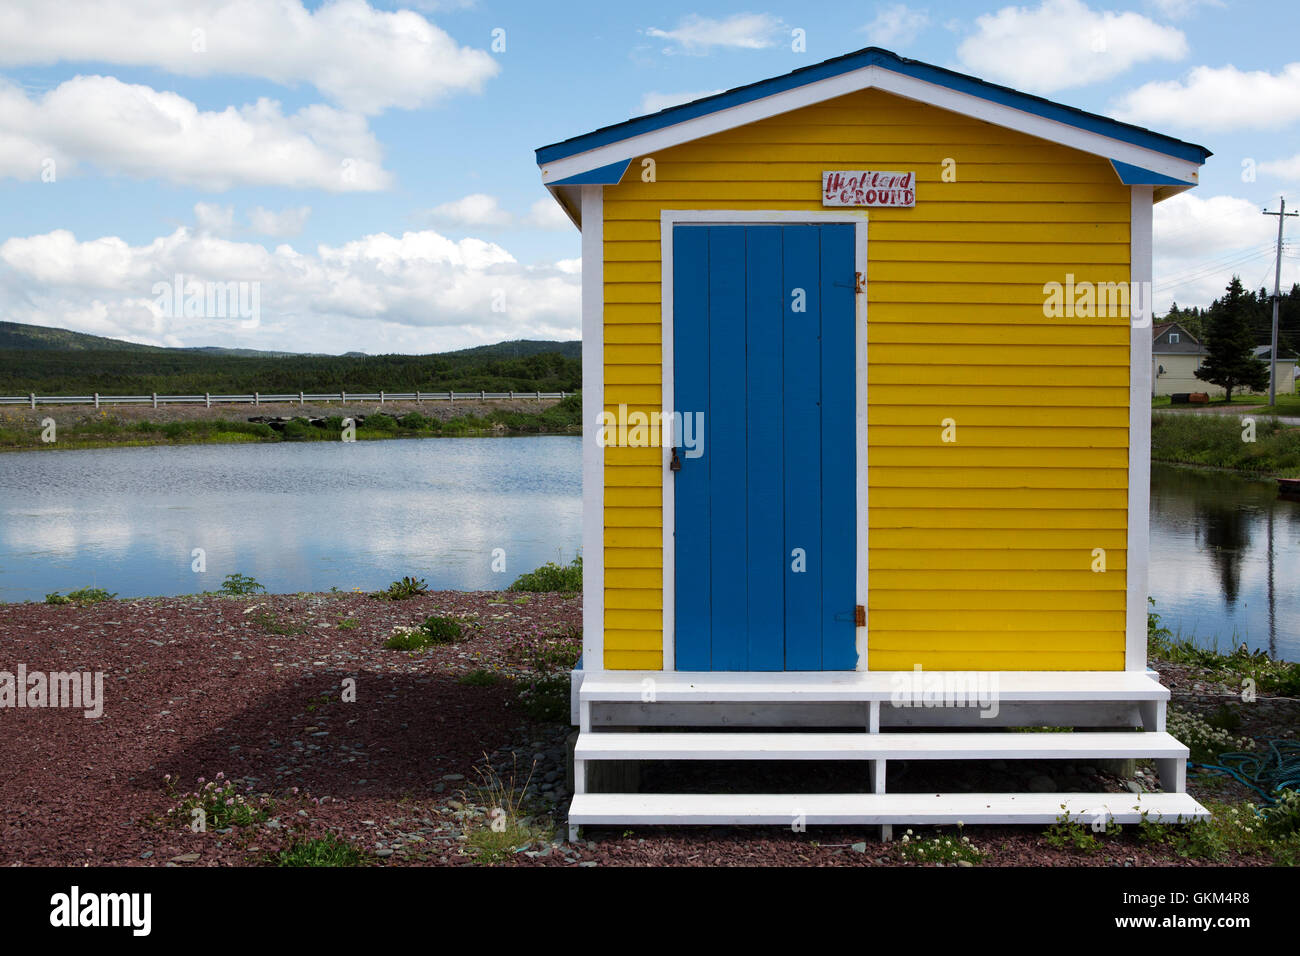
column 1277, row 298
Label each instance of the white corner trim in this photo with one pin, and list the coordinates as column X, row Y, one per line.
column 1139, row 430
column 671, row 217
column 593, row 402
column 890, row 82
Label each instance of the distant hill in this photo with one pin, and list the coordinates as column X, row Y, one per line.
column 16, row 335
column 520, row 348
column 53, row 361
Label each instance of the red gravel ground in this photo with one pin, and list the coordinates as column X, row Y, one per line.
column 201, row 685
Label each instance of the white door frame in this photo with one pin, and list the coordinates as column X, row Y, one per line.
column 672, row 217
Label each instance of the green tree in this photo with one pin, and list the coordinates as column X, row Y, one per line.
column 1229, row 342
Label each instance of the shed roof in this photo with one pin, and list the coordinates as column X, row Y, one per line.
column 1140, row 156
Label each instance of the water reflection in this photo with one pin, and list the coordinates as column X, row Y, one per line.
column 1225, row 553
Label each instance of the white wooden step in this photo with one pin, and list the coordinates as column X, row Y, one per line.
column 884, row 746
column 818, row 686
column 861, row 809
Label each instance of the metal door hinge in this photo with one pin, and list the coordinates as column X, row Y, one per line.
column 859, row 616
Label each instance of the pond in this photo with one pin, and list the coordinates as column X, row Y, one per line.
column 462, row 513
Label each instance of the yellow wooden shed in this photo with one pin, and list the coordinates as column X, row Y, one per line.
column 866, row 383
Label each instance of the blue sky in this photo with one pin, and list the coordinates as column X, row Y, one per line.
column 370, row 165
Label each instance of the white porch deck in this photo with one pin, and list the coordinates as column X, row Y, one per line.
column 702, row 702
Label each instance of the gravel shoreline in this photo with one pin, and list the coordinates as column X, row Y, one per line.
column 196, row 686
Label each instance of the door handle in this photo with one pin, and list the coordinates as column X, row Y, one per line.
column 675, row 463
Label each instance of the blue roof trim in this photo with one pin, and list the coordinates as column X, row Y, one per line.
column 874, row 56
column 1131, row 175
column 602, row 176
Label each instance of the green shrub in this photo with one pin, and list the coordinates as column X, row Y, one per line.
column 381, row 422
column 442, row 630
column 1205, row 741
column 240, row 584
column 434, row 631
column 85, row 595
column 417, row 422
column 552, row 577
column 939, row 849
column 218, row 803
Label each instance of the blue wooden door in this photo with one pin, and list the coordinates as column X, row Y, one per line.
column 764, row 346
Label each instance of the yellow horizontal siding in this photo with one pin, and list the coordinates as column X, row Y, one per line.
column 981, row 550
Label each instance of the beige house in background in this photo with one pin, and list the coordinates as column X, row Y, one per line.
column 1176, row 355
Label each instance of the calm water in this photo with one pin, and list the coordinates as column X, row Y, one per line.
column 1225, row 560
column 297, row 517
column 1225, row 552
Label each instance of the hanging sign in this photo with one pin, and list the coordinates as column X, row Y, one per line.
column 865, row 187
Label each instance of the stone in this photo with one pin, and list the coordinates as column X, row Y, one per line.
column 384, row 853
column 859, row 848
column 186, row 858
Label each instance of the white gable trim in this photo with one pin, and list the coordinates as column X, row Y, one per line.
column 1138, row 550
column 871, row 77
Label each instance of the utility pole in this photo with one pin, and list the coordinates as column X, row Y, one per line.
column 1277, row 298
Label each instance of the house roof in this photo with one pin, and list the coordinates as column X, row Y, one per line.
column 1262, row 352
column 1140, row 156
column 1187, row 343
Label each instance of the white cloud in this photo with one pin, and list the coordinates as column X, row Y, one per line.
column 547, row 214
column 1217, row 98
column 1282, row 168
column 474, row 210
column 214, row 219
column 286, row 222
column 1198, row 244
column 364, row 59
column 654, row 102
column 897, row 25
column 416, row 292
column 1064, row 43
column 697, row 34
column 141, row 132
column 1178, row 9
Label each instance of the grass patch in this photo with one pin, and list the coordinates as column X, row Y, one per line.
column 507, row 827
column 270, row 622
column 407, row 587
column 328, row 850
column 1071, row 833
column 434, row 631
column 480, row 678
column 1217, row 441
column 1242, row 828
column 545, row 694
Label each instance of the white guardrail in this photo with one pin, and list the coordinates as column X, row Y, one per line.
column 258, row 398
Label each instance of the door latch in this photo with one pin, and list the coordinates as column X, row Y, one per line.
column 675, row 463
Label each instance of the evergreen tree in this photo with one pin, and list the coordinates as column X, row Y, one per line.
column 1229, row 342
